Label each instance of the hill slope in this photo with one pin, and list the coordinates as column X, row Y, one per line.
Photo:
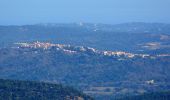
column 94, row 71
column 131, row 37
column 28, row 90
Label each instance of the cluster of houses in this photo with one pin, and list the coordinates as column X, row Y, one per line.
column 36, row 45
column 74, row 49
column 46, row 46
column 119, row 53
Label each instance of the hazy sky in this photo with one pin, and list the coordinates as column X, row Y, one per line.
column 93, row 11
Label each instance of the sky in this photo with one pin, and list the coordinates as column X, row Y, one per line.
column 19, row 12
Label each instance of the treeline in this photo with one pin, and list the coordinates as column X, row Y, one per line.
column 29, row 90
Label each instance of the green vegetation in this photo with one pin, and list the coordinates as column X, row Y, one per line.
column 149, row 96
column 85, row 70
column 112, row 75
column 29, row 90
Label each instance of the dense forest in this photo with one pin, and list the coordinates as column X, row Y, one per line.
column 101, row 60
column 30, row 90
column 93, row 71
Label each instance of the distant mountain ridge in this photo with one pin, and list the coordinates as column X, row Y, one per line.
column 100, row 59
column 125, row 37
column 133, row 27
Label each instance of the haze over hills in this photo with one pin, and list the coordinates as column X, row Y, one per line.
column 99, row 59
column 132, row 37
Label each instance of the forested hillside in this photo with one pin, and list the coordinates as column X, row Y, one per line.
column 96, row 72
column 101, row 60
column 29, row 90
